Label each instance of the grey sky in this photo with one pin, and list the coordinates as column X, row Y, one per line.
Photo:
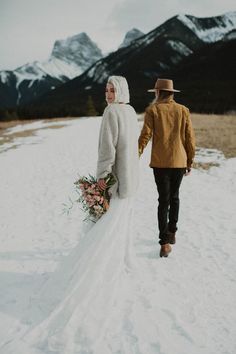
column 28, row 28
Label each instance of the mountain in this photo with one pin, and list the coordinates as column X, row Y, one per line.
column 159, row 53
column 79, row 50
column 210, row 29
column 207, row 79
column 131, row 36
column 69, row 58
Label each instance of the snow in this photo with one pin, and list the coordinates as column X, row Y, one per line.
column 53, row 67
column 4, row 76
column 35, row 125
column 69, row 59
column 60, row 68
column 78, row 49
column 184, row 304
column 222, row 25
column 149, row 38
column 30, row 71
column 33, row 128
column 98, row 72
column 180, row 47
column 79, row 46
column 230, row 20
column 209, row 156
column 231, row 35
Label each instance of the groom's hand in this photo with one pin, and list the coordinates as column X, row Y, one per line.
column 102, row 184
column 188, row 171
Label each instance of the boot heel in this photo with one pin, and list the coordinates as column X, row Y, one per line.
column 165, row 250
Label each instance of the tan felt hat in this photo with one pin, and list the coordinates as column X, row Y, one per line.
column 165, row 85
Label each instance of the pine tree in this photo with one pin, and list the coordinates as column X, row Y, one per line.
column 90, row 108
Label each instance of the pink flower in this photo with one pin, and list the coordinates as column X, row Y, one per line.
column 92, row 198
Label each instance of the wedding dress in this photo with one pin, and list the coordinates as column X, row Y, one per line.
column 82, row 307
column 72, row 312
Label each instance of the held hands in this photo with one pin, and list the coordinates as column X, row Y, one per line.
column 188, row 171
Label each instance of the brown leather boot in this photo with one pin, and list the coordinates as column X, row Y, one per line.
column 171, row 237
column 165, row 250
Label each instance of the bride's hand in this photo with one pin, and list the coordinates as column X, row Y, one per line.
column 102, row 184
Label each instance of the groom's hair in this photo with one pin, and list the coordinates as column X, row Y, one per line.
column 165, row 94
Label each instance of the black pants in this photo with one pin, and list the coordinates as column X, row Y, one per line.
column 168, row 181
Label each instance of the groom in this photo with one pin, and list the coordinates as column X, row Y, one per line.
column 173, row 147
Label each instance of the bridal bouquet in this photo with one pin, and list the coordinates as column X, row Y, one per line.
column 94, row 201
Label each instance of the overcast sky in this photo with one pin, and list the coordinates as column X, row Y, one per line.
column 29, row 28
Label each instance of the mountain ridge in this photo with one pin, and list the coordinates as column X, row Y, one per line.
column 69, row 58
column 157, row 53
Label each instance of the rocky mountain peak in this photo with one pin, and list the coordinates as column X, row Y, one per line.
column 210, row 29
column 130, row 36
column 79, row 49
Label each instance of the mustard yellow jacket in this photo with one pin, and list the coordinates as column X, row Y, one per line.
column 169, row 125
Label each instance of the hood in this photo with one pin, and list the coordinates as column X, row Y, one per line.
column 121, row 88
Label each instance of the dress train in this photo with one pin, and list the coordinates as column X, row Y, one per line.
column 72, row 311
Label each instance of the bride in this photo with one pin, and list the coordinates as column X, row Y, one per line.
column 76, row 308
column 117, row 152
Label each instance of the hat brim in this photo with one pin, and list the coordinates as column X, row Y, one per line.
column 154, row 90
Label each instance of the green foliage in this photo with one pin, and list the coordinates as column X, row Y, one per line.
column 8, row 114
column 90, row 108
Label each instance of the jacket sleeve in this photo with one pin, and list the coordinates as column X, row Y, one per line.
column 147, row 130
column 189, row 140
column 107, row 144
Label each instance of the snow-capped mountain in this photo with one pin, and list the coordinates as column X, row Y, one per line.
column 78, row 50
column 130, row 36
column 206, row 29
column 174, row 40
column 210, row 29
column 69, row 58
column 155, row 54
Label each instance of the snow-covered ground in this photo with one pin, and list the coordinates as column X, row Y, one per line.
column 181, row 304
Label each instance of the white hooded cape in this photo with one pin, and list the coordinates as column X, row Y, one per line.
column 118, row 141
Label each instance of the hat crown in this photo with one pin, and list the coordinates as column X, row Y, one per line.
column 164, row 84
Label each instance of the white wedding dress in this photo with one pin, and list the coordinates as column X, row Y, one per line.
column 73, row 315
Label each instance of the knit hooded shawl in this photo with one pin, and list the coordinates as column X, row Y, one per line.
column 118, row 141
column 121, row 88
